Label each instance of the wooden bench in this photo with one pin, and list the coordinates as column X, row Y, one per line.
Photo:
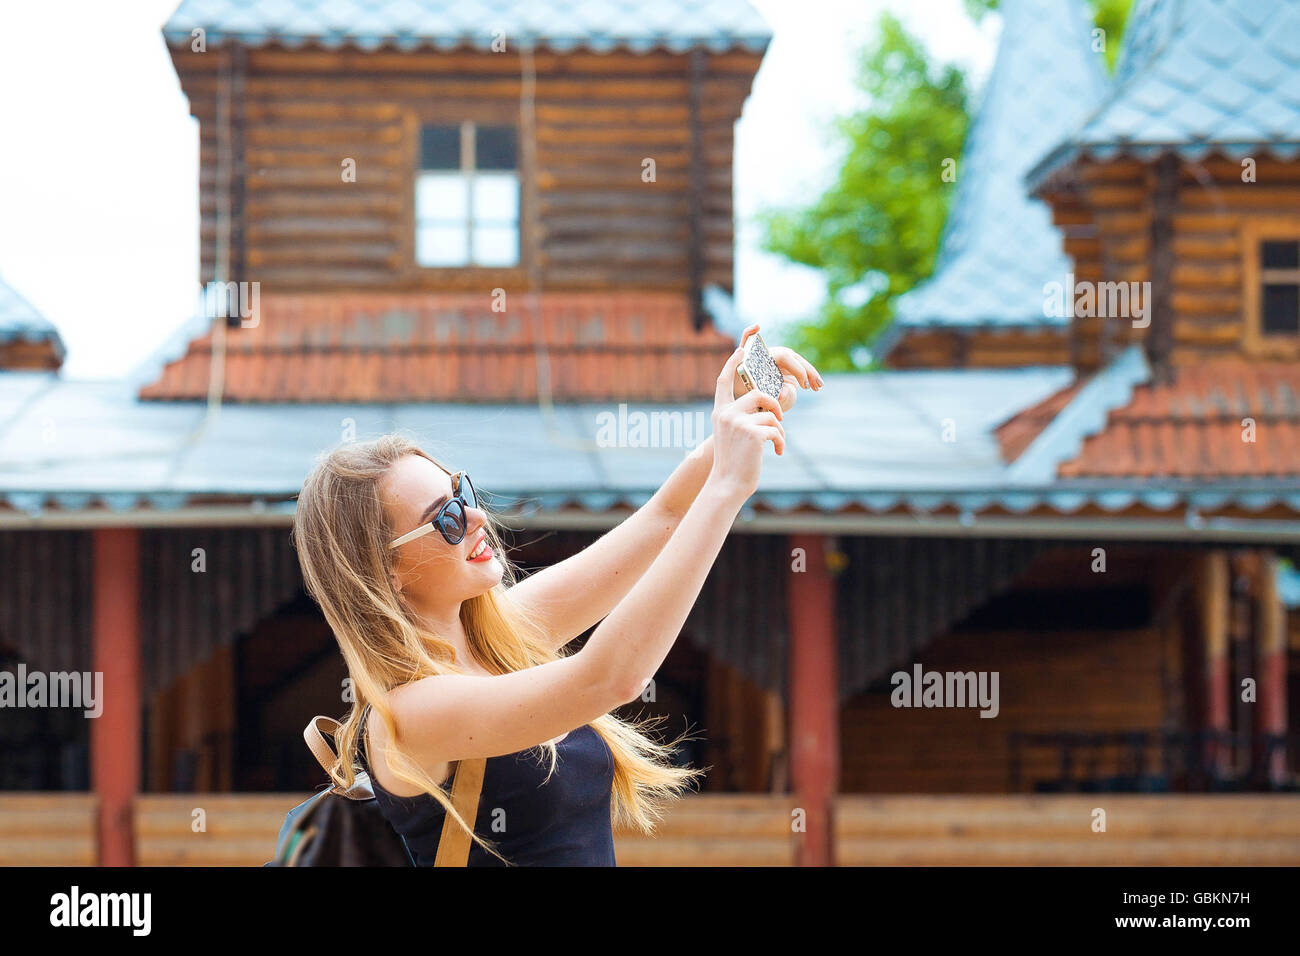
column 48, row 829
column 1056, row 830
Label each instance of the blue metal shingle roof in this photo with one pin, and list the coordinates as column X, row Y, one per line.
column 1195, row 77
column 868, row 445
column 19, row 321
column 999, row 246
column 878, row 433
column 563, row 25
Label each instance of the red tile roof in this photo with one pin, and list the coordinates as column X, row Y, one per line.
column 1191, row 428
column 424, row 347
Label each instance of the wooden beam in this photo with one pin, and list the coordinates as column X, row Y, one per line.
column 115, row 752
column 814, row 698
column 239, row 167
column 1159, row 337
column 698, row 189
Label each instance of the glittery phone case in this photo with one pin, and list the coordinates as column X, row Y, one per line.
column 758, row 370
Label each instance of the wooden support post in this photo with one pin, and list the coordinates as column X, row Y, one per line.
column 1214, row 633
column 814, row 699
column 697, row 187
column 1160, row 335
column 115, row 752
column 1272, row 670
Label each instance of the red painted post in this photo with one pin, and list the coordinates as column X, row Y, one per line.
column 115, row 757
column 814, row 698
column 1272, row 650
column 1215, row 599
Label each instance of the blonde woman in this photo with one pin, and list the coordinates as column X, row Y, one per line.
column 460, row 660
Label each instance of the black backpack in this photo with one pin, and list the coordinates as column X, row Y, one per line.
column 338, row 827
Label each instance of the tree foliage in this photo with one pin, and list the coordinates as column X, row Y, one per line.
column 875, row 232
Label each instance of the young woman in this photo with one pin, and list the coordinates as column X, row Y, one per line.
column 459, row 660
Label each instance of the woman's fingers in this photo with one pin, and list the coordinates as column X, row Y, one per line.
column 788, row 360
column 767, row 418
column 789, row 392
column 755, row 400
column 773, row 434
column 724, row 393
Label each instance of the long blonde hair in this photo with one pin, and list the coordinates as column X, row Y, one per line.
column 341, row 532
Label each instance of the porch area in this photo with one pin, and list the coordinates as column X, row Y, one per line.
column 1112, row 685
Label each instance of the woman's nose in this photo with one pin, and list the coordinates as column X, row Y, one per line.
column 475, row 519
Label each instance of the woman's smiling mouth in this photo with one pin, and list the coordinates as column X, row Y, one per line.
column 481, row 551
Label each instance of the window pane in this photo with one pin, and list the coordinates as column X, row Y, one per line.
column 1281, row 254
column 441, row 196
column 496, row 245
column 1281, row 310
column 440, row 147
column 494, row 147
column 496, row 198
column 441, row 246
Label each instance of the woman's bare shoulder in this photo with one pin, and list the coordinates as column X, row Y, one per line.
column 376, row 741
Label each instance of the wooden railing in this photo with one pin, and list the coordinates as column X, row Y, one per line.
column 48, row 829
column 58, row 829
column 240, row 830
column 720, row 829
column 1057, row 830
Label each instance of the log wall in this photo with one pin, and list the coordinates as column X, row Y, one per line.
column 301, row 113
column 1106, row 215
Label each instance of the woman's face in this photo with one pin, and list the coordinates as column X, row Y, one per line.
column 428, row 570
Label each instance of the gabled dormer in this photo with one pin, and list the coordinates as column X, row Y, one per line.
column 1185, row 186
column 493, row 201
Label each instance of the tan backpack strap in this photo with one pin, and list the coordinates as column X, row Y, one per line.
column 454, row 844
column 314, row 733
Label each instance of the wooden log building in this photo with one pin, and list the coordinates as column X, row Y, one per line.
column 429, row 225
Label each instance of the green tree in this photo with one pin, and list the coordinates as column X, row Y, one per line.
column 875, row 232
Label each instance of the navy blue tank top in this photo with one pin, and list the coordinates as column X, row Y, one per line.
column 562, row 822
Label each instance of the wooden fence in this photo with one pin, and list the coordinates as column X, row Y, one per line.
column 58, row 829
column 1057, row 830
column 48, row 829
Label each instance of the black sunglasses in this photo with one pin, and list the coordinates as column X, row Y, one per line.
column 450, row 519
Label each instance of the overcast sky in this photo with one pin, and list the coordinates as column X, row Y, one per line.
column 99, row 159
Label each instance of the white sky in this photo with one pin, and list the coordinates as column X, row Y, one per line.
column 99, row 159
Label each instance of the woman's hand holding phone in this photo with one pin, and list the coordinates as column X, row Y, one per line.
column 796, row 370
column 741, row 427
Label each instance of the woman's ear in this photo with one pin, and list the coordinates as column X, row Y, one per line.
column 395, row 581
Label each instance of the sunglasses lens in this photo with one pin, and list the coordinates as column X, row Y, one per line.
column 453, row 522
column 467, row 491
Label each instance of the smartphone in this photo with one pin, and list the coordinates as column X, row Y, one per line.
column 758, row 370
